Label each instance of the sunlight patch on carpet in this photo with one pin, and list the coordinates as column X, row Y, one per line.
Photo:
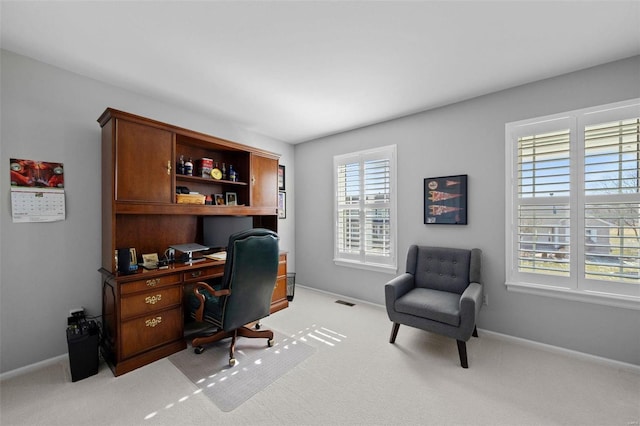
column 257, row 367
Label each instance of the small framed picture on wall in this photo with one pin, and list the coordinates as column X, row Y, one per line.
column 282, row 205
column 281, row 180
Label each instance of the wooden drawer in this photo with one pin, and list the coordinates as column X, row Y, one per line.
column 282, row 268
column 280, row 290
column 143, row 303
column 150, row 283
column 144, row 333
column 206, row 273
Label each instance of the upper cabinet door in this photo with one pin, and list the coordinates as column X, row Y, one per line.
column 264, row 181
column 143, row 166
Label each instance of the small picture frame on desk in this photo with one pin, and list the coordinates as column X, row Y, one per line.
column 219, row 199
column 282, row 205
column 232, row 199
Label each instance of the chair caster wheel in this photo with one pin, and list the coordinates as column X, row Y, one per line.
column 270, row 342
column 198, row 350
column 232, row 362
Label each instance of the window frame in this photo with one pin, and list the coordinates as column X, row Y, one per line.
column 364, row 259
column 576, row 286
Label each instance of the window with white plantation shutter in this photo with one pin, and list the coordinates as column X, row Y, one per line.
column 543, row 203
column 612, row 201
column 365, row 229
column 573, row 205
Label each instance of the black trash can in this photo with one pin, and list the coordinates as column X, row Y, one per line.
column 82, row 340
column 291, row 285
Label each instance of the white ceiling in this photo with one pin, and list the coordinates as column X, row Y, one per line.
column 299, row 70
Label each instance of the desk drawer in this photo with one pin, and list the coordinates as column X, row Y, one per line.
column 202, row 274
column 144, row 333
column 150, row 283
column 143, row 303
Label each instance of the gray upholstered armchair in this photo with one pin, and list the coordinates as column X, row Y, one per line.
column 440, row 291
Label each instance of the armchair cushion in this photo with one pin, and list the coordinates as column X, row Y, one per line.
column 435, row 305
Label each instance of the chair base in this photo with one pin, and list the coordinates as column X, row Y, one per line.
column 462, row 345
column 198, row 342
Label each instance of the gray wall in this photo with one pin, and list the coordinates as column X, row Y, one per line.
column 46, row 269
column 467, row 138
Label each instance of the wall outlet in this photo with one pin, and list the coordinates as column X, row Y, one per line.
column 485, row 300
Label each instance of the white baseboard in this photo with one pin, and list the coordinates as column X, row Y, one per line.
column 560, row 350
column 33, row 367
column 531, row 343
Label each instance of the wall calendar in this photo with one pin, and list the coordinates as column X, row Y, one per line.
column 37, row 191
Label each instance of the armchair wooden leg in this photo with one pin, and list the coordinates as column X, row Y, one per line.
column 394, row 332
column 475, row 331
column 462, row 351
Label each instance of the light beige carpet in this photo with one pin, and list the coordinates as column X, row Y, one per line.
column 355, row 377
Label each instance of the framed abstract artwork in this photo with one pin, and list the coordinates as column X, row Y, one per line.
column 445, row 200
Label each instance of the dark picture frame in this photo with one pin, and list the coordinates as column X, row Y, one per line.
column 282, row 205
column 445, row 200
column 281, row 178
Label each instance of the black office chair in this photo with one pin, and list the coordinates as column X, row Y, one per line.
column 244, row 295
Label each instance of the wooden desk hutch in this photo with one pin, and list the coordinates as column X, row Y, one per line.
column 143, row 312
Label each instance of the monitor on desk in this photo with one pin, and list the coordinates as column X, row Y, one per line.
column 217, row 229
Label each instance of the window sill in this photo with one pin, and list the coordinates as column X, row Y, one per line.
column 626, row 302
column 387, row 269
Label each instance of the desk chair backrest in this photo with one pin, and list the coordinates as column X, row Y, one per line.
column 250, row 273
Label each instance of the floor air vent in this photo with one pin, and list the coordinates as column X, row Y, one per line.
column 342, row 302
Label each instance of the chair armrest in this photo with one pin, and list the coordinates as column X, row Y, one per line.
column 199, row 313
column 470, row 304
column 397, row 287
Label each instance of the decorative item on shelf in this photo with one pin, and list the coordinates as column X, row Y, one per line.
column 445, row 200
column 232, row 174
column 216, row 173
column 219, row 199
column 190, row 198
column 203, row 167
column 188, row 167
column 232, row 199
column 208, row 200
column 224, row 172
column 180, row 168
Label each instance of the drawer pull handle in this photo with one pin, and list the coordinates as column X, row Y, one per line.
column 152, row 300
column 153, row 282
column 153, row 321
column 196, row 274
